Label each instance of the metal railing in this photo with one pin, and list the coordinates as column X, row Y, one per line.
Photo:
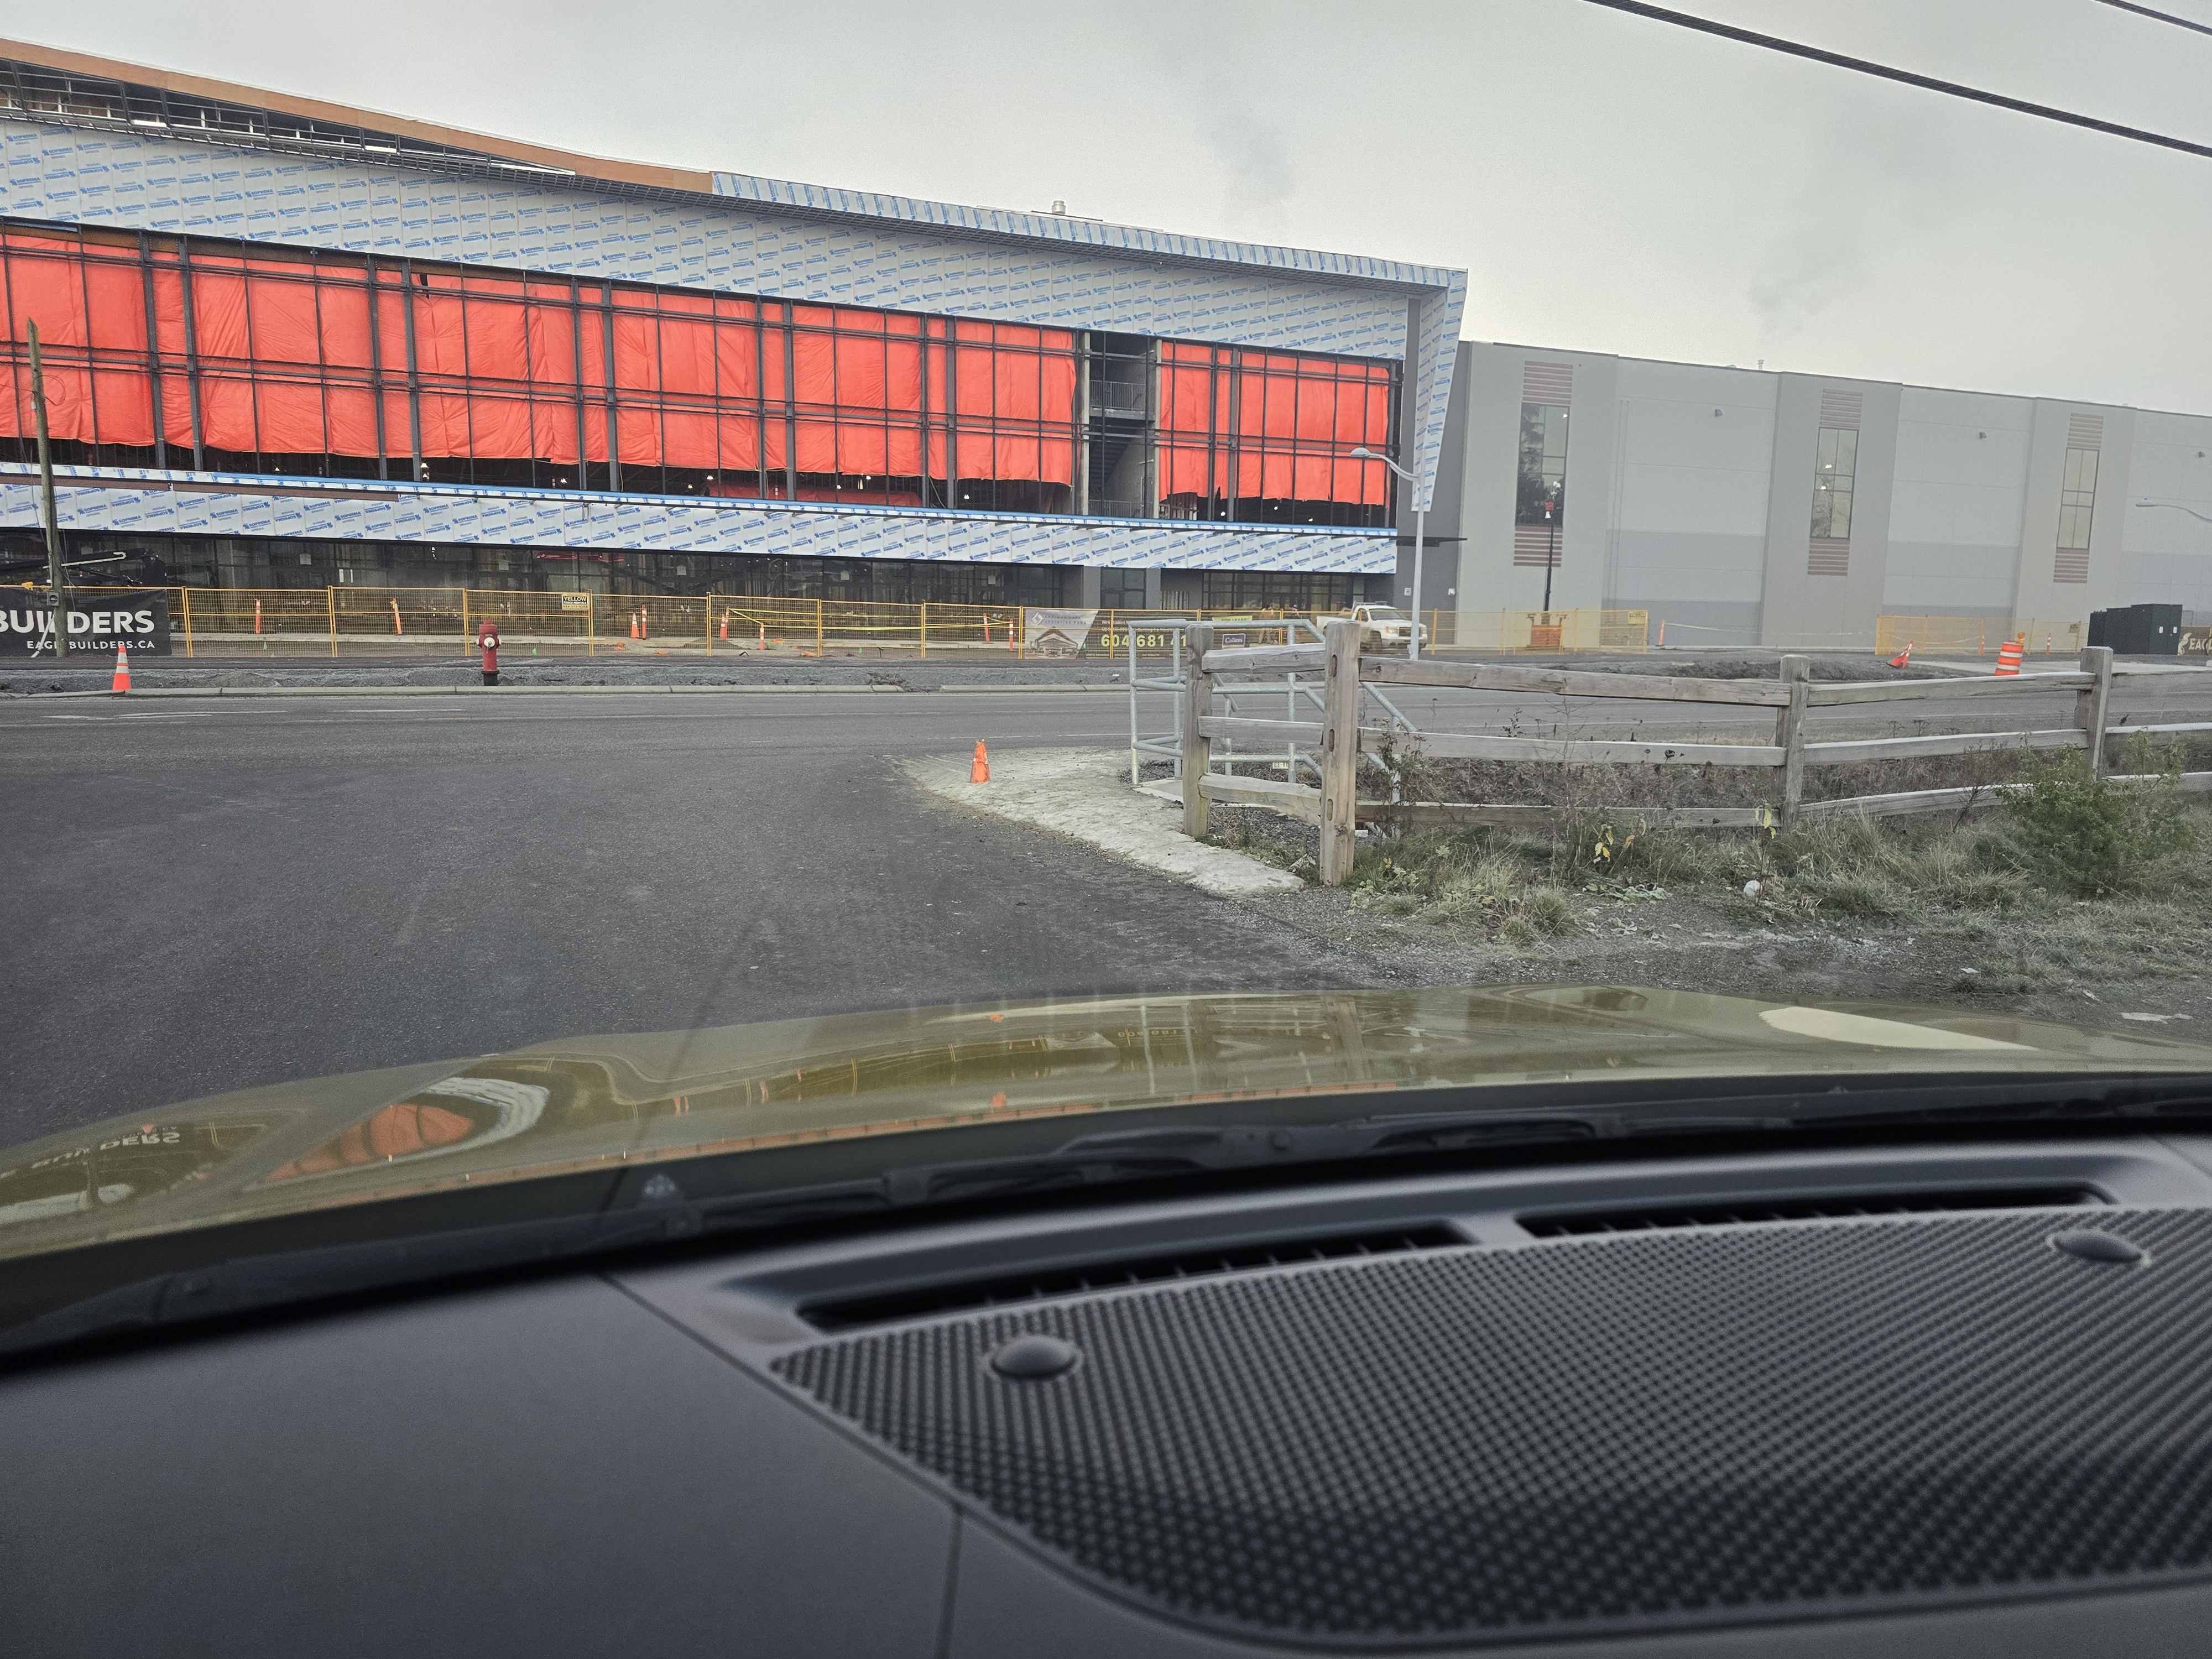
column 1123, row 400
column 1296, row 690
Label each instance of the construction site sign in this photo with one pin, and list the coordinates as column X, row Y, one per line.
column 99, row 619
column 1052, row 632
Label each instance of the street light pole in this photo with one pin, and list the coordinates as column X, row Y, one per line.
column 56, row 596
column 1420, row 528
column 1551, row 556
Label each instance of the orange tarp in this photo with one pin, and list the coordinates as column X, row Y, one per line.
column 287, row 352
column 1289, row 421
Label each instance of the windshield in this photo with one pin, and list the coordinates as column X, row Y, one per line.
column 520, row 667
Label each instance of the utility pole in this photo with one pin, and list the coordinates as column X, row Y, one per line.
column 1420, row 529
column 56, row 595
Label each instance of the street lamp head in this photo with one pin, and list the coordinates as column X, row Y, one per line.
column 1367, row 454
column 2177, row 507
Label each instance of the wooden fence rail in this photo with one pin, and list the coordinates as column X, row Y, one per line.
column 1338, row 737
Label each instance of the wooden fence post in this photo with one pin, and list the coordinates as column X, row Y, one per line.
column 2091, row 706
column 1789, row 735
column 1339, row 749
column 1197, row 748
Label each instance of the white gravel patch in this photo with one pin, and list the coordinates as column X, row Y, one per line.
column 1085, row 794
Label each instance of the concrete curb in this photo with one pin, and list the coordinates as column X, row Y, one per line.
column 545, row 691
column 1085, row 794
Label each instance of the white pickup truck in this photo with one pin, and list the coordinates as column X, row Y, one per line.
column 1385, row 626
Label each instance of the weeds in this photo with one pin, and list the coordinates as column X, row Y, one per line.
column 1862, row 867
column 1264, row 836
column 1469, row 878
column 1545, row 910
column 2062, row 841
column 2113, row 837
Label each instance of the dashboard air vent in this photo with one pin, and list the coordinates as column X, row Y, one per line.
column 1825, row 1206
column 1115, row 1273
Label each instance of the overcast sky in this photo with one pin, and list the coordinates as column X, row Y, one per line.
column 1610, row 184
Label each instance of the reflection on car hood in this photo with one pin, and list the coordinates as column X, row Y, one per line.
column 614, row 1102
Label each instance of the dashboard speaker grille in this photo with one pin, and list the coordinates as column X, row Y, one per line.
column 1827, row 1207
column 1114, row 1273
column 1592, row 1434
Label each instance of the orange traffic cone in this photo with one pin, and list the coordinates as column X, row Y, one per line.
column 122, row 668
column 632, row 624
column 980, row 771
column 1903, row 656
column 726, row 625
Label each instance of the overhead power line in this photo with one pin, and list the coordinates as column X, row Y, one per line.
column 2162, row 17
column 1905, row 77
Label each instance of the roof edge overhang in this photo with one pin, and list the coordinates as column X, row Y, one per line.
column 820, row 203
column 316, row 109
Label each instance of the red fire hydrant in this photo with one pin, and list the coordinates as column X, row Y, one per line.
column 488, row 638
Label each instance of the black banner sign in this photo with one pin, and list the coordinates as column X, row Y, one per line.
column 99, row 619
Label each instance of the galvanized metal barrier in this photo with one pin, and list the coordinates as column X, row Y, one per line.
column 1296, row 691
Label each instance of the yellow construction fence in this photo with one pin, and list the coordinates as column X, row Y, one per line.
column 1977, row 636
column 332, row 620
column 326, row 620
column 1581, row 631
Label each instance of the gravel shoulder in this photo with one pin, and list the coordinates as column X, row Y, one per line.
column 2124, row 962
column 2095, row 964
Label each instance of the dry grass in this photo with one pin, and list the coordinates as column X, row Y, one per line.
column 2008, row 877
column 1914, row 874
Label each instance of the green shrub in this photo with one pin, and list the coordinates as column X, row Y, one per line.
column 2086, row 835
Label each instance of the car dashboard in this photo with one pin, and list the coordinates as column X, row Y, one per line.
column 1929, row 1398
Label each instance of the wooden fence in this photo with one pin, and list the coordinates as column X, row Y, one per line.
column 1338, row 738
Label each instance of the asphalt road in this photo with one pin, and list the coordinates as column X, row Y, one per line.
column 208, row 895
column 212, row 894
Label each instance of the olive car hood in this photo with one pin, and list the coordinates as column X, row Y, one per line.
column 623, row 1103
